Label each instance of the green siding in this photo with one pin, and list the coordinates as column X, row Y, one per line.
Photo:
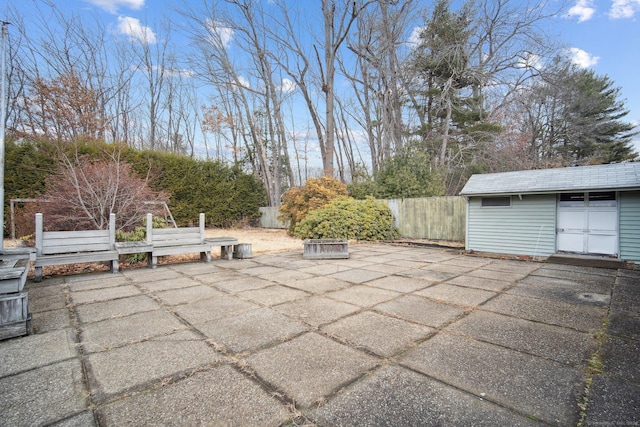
column 630, row 226
column 528, row 227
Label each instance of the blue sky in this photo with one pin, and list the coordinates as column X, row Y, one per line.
column 608, row 32
column 601, row 35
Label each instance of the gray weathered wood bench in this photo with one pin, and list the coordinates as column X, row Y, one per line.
column 74, row 247
column 182, row 240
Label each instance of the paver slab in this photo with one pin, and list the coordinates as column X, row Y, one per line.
column 319, row 285
column 574, row 284
column 187, row 295
column 244, row 283
column 434, row 276
column 620, row 358
column 357, row 275
column 261, row 270
column 456, row 294
column 552, row 342
column 273, row 295
column 168, row 284
column 42, row 396
column 46, row 321
column 103, row 281
column 100, row 336
column 421, row 310
column 400, row 283
column 45, row 303
column 287, row 276
column 382, row 335
column 32, row 351
column 533, row 386
column 566, row 294
column 512, row 266
column 487, row 273
column 317, row 310
column 115, row 308
column 145, row 363
column 364, row 296
column 251, row 330
column 310, row 367
column 196, row 268
column 595, row 277
column 97, row 295
column 394, row 396
column 624, row 324
column 206, row 310
column 581, row 317
column 145, row 274
column 613, row 402
column 480, row 283
column 218, row 396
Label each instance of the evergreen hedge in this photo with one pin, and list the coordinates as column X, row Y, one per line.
column 226, row 194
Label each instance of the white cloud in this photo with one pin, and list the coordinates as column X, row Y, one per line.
column 287, row 86
column 583, row 9
column 224, row 34
column 244, row 82
column 132, row 28
column 414, row 38
column 624, row 8
column 581, row 58
column 530, row 60
column 112, row 6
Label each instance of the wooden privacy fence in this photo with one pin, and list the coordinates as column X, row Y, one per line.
column 435, row 218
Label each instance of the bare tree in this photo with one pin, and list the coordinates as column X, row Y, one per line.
column 86, row 192
column 378, row 82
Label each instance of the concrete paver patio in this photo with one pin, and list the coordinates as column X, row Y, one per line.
column 395, row 335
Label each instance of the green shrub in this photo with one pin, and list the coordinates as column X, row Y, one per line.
column 348, row 218
column 139, row 234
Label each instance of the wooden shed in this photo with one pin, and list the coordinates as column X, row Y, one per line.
column 587, row 210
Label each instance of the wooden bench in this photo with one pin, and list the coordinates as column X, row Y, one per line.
column 182, row 240
column 74, row 247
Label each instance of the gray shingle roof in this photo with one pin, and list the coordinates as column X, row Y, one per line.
column 583, row 178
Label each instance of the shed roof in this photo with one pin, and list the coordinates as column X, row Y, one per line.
column 618, row 176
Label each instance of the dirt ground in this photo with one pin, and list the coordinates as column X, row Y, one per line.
column 262, row 240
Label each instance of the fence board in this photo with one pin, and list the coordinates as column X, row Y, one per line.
column 435, row 218
column 269, row 218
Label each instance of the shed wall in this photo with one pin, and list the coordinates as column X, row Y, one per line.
column 630, row 226
column 528, row 227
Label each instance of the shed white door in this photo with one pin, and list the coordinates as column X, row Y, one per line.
column 588, row 223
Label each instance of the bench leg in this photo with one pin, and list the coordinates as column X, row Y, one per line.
column 226, row 252
column 152, row 261
column 38, row 274
column 115, row 266
column 205, row 256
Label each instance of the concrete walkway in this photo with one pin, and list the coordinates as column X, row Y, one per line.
column 395, row 335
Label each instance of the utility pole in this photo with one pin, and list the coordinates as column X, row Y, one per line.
column 3, row 113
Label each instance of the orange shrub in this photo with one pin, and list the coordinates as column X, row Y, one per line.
column 316, row 193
